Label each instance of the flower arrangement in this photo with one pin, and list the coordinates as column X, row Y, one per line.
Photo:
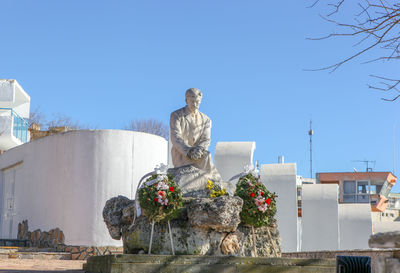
column 160, row 198
column 259, row 205
column 215, row 190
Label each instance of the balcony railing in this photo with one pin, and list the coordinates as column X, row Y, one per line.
column 20, row 125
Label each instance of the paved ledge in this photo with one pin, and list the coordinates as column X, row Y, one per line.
column 131, row 263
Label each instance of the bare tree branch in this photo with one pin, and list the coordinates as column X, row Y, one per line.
column 58, row 120
column 150, row 126
column 377, row 26
column 36, row 117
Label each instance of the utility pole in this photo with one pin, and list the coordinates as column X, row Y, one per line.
column 310, row 133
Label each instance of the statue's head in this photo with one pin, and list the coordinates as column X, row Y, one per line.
column 193, row 98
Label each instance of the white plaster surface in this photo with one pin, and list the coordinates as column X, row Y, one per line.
column 320, row 215
column 386, row 226
column 12, row 95
column 65, row 179
column 6, row 91
column 232, row 157
column 281, row 179
column 355, row 226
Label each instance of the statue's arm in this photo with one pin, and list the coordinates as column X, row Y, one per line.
column 176, row 134
column 205, row 138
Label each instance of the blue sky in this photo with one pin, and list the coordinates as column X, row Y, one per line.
column 107, row 62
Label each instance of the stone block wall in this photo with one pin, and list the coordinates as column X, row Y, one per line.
column 382, row 260
column 84, row 252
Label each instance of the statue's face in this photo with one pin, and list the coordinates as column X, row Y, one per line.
column 193, row 102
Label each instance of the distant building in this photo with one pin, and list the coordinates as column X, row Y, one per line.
column 362, row 187
column 394, row 201
column 14, row 112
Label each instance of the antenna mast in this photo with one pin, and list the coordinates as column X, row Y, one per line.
column 310, row 133
column 366, row 162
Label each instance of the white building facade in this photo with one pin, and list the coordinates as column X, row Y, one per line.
column 14, row 110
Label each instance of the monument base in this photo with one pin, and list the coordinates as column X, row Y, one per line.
column 132, row 263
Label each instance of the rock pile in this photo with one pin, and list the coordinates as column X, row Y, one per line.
column 41, row 239
column 206, row 226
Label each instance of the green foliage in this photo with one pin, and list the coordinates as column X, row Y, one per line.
column 259, row 204
column 162, row 200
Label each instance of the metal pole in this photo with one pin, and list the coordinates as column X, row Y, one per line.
column 310, row 133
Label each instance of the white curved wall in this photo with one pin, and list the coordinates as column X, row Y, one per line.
column 320, row 217
column 65, row 179
column 281, row 179
column 231, row 158
column 355, row 226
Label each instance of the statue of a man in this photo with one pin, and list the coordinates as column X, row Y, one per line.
column 191, row 134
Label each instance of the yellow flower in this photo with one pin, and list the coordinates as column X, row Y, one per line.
column 210, row 184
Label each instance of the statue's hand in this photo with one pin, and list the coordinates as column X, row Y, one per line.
column 196, row 153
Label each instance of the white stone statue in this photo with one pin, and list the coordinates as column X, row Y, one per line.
column 190, row 133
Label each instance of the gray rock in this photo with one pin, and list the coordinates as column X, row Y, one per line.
column 193, row 181
column 232, row 243
column 202, row 238
column 43, row 239
column 220, row 214
column 189, row 240
column 385, row 240
column 265, row 247
column 113, row 215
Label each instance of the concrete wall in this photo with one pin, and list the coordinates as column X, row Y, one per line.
column 355, row 225
column 281, row 179
column 386, row 226
column 231, row 157
column 65, row 179
column 320, row 229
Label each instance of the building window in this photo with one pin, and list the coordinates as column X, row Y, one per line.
column 356, row 191
column 386, row 189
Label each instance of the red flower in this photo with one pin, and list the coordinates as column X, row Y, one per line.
column 161, row 194
column 252, row 194
column 156, row 199
column 268, row 201
column 171, row 189
column 261, row 193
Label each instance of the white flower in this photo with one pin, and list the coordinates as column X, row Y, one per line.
column 255, row 172
column 249, row 169
column 162, row 186
column 262, row 207
column 161, row 169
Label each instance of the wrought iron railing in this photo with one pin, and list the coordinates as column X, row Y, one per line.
column 20, row 125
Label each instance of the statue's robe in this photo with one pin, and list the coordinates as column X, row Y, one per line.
column 190, row 130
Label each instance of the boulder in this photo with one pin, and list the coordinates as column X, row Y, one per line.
column 113, row 214
column 205, row 226
column 193, row 181
column 232, row 243
column 385, row 240
column 220, row 214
